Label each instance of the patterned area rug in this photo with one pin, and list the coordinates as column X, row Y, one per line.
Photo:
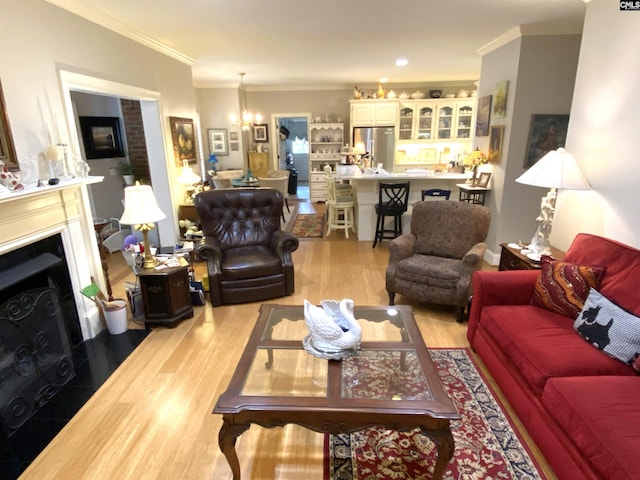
column 308, row 225
column 487, row 447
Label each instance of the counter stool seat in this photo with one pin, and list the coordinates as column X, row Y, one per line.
column 393, row 201
column 340, row 208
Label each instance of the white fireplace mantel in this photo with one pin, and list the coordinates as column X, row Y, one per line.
column 35, row 213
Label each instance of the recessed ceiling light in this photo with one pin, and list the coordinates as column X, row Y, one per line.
column 401, row 62
column 384, row 80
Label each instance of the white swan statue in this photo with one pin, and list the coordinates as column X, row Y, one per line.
column 334, row 330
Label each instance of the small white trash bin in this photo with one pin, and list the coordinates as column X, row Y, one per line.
column 116, row 316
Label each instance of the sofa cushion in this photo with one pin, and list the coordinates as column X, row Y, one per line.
column 544, row 345
column 608, row 327
column 604, row 428
column 620, row 284
column 563, row 287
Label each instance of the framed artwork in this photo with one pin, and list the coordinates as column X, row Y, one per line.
column 233, row 136
column 260, row 132
column 500, row 100
column 102, row 137
column 483, row 117
column 547, row 132
column 235, row 146
column 183, row 137
column 218, row 141
column 483, row 179
column 495, row 143
column 7, row 150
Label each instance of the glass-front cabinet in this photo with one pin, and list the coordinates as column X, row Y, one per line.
column 415, row 121
column 435, row 120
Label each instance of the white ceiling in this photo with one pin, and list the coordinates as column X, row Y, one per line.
column 328, row 43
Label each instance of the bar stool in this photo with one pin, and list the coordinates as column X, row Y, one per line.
column 436, row 192
column 340, row 209
column 393, row 200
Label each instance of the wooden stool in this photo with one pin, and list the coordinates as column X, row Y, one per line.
column 340, row 216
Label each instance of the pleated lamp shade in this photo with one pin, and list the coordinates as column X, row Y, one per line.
column 140, row 206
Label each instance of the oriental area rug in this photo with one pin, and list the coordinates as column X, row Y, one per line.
column 486, row 445
column 308, row 225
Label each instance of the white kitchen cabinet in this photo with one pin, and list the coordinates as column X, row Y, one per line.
column 317, row 187
column 415, row 121
column 455, row 119
column 325, row 144
column 372, row 113
column 428, row 120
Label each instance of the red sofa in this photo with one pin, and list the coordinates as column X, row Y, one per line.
column 578, row 404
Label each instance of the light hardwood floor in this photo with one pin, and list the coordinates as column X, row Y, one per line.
column 152, row 418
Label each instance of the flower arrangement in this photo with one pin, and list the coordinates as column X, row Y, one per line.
column 213, row 160
column 473, row 160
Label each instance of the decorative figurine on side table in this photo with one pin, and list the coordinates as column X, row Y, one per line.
column 334, row 331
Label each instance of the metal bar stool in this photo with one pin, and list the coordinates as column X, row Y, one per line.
column 393, row 200
column 436, row 192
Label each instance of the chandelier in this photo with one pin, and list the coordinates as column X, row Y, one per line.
column 247, row 117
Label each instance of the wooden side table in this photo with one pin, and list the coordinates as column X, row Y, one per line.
column 471, row 194
column 511, row 258
column 165, row 294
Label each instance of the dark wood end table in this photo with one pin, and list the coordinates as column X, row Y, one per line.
column 277, row 382
column 165, row 294
column 511, row 258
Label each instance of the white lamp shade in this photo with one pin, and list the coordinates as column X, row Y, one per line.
column 557, row 169
column 140, row 206
column 188, row 176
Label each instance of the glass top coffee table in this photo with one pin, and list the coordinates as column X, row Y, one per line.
column 391, row 381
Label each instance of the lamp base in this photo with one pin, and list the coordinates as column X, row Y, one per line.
column 149, row 260
column 540, row 242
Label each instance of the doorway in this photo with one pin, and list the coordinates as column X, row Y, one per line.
column 293, row 138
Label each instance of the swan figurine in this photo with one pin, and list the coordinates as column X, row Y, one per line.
column 334, row 330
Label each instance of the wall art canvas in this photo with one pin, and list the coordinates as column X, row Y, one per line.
column 495, row 143
column 101, row 137
column 483, row 117
column 500, row 100
column 183, row 137
column 547, row 132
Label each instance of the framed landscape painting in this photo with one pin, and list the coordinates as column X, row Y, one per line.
column 495, row 143
column 484, row 116
column 101, row 137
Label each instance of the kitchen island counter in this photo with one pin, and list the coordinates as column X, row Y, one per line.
column 366, row 189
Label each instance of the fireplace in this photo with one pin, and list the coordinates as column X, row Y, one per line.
column 59, row 214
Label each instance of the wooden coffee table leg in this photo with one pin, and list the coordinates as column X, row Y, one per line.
column 445, row 447
column 227, row 443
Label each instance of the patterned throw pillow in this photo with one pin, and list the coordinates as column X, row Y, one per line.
column 563, row 287
column 609, row 327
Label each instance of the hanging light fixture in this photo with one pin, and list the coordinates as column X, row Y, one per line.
column 246, row 117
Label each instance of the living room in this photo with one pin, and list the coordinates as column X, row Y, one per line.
column 601, row 133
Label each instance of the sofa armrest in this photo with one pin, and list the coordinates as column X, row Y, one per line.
column 401, row 247
column 511, row 287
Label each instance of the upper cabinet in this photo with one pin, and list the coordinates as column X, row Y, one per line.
column 372, row 113
column 435, row 120
column 325, row 142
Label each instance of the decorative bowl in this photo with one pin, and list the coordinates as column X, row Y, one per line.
column 435, row 93
column 417, row 95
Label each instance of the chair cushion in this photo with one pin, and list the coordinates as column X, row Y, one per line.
column 250, row 262
column 563, row 287
column 609, row 328
column 426, row 269
column 544, row 345
column 604, row 427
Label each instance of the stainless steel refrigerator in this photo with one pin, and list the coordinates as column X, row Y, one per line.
column 379, row 142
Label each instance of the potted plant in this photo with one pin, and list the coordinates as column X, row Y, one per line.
column 126, row 170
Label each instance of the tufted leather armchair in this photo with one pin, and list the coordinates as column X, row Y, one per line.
column 435, row 261
column 248, row 255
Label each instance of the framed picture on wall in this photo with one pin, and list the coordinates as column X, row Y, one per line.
column 101, row 137
column 7, row 150
column 547, row 132
column 500, row 100
column 495, row 143
column 218, row 141
column 260, row 133
column 183, row 137
column 484, row 116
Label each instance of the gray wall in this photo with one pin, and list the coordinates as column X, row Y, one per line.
column 541, row 72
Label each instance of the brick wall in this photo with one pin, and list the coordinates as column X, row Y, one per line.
column 136, row 145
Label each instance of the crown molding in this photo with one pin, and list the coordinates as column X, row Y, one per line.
column 94, row 15
column 524, row 30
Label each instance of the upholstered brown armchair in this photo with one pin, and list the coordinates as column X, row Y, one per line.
column 248, row 255
column 435, row 261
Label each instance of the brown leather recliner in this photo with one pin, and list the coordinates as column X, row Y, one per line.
column 248, row 255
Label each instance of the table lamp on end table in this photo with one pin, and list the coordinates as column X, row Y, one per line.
column 141, row 210
column 557, row 169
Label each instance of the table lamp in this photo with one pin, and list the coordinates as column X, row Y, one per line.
column 189, row 179
column 557, row 169
column 141, row 210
